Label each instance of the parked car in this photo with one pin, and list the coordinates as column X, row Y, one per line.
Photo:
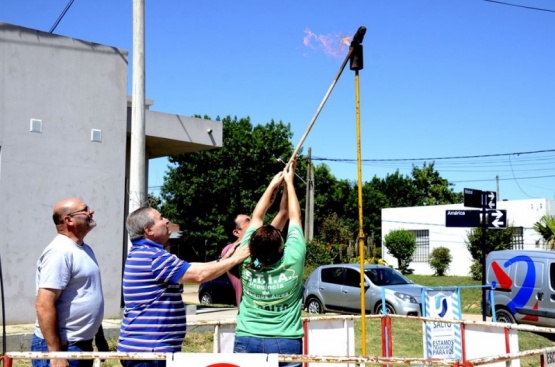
column 336, row 288
column 217, row 291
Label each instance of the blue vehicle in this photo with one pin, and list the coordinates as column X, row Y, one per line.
column 217, row 291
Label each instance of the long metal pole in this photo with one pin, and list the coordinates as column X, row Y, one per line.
column 334, row 82
column 356, row 65
column 483, row 258
column 137, row 162
column 308, row 200
column 360, row 220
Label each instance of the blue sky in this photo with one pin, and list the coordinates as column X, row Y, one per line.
column 441, row 79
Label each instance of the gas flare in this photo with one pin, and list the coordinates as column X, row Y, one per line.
column 331, row 44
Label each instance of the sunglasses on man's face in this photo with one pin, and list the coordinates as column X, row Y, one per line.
column 85, row 210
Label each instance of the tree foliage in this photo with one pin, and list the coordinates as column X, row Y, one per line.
column 496, row 239
column 334, row 230
column 546, row 228
column 332, row 197
column 431, row 188
column 440, row 259
column 425, row 186
column 401, row 244
column 205, row 190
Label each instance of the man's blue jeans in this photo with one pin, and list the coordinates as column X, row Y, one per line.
column 39, row 345
column 250, row 344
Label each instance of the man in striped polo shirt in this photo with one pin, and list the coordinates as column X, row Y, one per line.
column 154, row 314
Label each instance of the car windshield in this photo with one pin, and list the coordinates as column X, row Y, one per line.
column 386, row 276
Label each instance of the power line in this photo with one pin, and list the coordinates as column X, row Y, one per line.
column 431, row 159
column 458, row 165
column 520, row 6
column 504, row 179
column 61, row 16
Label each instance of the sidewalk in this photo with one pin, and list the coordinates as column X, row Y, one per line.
column 18, row 337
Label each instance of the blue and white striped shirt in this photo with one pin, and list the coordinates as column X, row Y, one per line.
column 154, row 315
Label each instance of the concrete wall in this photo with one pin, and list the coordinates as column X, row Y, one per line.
column 73, row 87
column 520, row 213
column 69, row 88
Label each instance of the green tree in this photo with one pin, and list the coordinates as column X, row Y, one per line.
column 496, row 239
column 546, row 228
column 332, row 197
column 440, row 259
column 334, row 230
column 374, row 200
column 203, row 191
column 401, row 244
column 424, row 187
column 398, row 190
column 431, row 188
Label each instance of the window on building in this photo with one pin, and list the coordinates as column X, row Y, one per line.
column 517, row 242
column 422, row 245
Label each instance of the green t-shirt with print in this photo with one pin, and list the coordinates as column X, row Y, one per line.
column 272, row 297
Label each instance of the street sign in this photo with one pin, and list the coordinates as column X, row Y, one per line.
column 472, row 218
column 491, row 199
column 477, row 199
column 497, row 219
column 473, row 198
column 462, row 218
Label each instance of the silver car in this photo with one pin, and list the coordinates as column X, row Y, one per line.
column 336, row 288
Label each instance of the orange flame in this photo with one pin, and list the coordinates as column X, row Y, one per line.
column 346, row 40
column 330, row 44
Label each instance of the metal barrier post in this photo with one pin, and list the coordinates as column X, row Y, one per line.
column 7, row 361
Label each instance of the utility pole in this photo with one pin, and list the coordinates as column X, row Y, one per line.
column 497, row 182
column 309, row 200
column 137, row 162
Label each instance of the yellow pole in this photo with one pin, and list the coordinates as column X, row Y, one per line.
column 360, row 231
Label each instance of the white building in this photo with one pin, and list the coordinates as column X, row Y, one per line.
column 428, row 224
column 65, row 126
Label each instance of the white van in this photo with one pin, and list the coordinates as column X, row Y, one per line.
column 524, row 286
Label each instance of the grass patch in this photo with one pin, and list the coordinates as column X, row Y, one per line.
column 406, row 333
column 408, row 340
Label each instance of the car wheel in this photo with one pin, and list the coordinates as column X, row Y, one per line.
column 205, row 298
column 388, row 309
column 503, row 315
column 314, row 306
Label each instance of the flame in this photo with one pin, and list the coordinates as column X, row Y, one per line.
column 330, row 44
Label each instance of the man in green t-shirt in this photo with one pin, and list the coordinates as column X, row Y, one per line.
column 269, row 319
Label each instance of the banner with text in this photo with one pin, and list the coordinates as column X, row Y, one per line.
column 442, row 339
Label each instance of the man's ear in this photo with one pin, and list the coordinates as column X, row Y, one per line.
column 236, row 232
column 147, row 230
